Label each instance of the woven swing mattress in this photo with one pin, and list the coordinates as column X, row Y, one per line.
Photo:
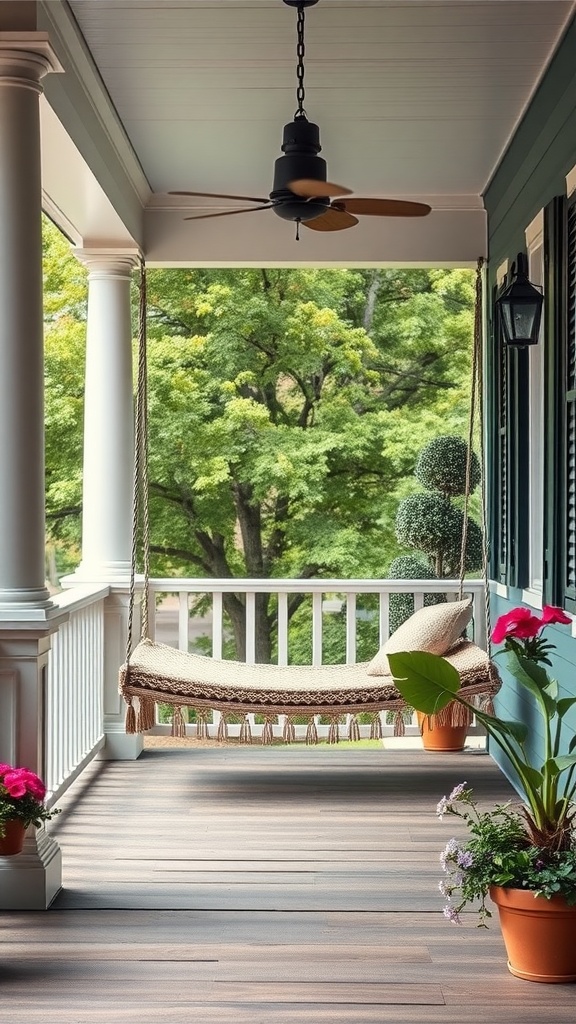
column 160, row 673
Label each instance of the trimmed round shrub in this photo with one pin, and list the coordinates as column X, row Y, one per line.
column 474, row 550
column 430, row 523
column 441, row 466
column 406, row 567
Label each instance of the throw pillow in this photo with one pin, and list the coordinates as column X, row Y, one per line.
column 434, row 629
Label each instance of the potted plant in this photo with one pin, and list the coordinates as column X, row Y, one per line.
column 22, row 796
column 523, row 857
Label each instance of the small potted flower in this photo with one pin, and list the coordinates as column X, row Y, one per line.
column 22, row 796
column 523, row 857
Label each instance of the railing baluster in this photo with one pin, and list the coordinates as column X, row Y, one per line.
column 217, row 624
column 384, row 617
column 250, row 628
column 283, row 628
column 317, row 628
column 350, row 629
column 183, row 621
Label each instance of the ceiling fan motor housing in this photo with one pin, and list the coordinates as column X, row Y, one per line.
column 301, row 145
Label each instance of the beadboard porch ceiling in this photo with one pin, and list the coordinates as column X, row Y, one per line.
column 414, row 98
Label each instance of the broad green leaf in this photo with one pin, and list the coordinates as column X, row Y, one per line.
column 563, row 761
column 507, row 726
column 534, row 678
column 564, row 704
column 426, row 681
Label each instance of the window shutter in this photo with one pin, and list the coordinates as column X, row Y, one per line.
column 560, row 403
column 570, row 414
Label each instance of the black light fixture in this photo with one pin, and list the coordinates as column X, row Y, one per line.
column 520, row 307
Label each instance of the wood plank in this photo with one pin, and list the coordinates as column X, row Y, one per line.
column 251, row 886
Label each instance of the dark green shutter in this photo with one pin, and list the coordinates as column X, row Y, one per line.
column 570, row 413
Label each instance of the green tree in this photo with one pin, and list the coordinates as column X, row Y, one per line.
column 285, row 407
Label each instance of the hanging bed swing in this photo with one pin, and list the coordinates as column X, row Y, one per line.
column 156, row 673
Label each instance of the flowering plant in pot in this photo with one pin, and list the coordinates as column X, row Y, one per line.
column 519, row 855
column 22, row 795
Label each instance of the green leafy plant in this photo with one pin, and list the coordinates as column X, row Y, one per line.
column 22, row 796
column 532, row 847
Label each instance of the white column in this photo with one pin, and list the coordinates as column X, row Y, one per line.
column 31, row 879
column 108, row 419
column 24, row 59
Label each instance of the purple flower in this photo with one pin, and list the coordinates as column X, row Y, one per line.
column 450, row 853
column 443, row 807
column 451, row 915
column 458, row 791
column 464, row 859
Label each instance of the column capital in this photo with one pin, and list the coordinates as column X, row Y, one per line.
column 25, row 57
column 102, row 263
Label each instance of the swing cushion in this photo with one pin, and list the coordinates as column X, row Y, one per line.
column 161, row 673
column 435, row 629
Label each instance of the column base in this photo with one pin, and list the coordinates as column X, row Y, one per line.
column 121, row 747
column 32, row 879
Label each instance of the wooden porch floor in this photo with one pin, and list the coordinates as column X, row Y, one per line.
column 263, row 886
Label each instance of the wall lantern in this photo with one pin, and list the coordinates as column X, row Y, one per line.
column 520, row 307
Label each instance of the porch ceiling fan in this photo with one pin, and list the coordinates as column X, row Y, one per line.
column 300, row 191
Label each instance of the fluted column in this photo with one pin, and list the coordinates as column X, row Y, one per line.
column 32, row 879
column 23, row 62
column 108, row 418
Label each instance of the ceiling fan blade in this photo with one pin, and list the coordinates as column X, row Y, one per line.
column 332, row 220
column 385, row 207
column 310, row 189
column 230, row 213
column 220, row 195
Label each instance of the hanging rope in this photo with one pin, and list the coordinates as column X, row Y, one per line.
column 476, row 408
column 140, row 505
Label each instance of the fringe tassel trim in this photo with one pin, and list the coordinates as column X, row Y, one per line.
column 130, row 724
column 334, row 731
column 222, row 734
column 353, row 729
column 201, row 725
column 288, row 732
column 399, row 724
column 178, row 724
column 267, row 732
column 376, row 727
column 146, row 717
column 311, row 733
column 454, row 714
column 245, row 731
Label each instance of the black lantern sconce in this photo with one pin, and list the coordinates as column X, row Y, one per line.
column 520, row 307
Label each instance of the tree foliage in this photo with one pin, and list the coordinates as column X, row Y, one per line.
column 285, row 412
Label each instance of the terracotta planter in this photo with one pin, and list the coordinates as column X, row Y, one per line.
column 441, row 737
column 538, row 935
column 13, row 839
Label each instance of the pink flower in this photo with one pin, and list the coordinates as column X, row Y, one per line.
column 34, row 785
column 551, row 614
column 519, row 623
column 5, row 768
column 14, row 783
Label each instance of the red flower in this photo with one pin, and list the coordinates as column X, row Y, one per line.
column 551, row 614
column 519, row 623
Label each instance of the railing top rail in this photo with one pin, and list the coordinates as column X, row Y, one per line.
column 80, row 597
column 314, row 586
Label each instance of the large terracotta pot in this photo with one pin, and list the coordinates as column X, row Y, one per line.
column 441, row 737
column 538, row 935
column 13, row 839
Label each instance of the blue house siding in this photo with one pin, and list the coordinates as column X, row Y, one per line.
column 531, row 174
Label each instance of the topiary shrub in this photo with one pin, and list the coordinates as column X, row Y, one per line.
column 406, row 567
column 431, row 524
column 441, row 466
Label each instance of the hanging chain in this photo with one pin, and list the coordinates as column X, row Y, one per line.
column 300, row 53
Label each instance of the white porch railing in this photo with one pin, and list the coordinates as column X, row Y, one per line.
column 176, row 625
column 73, row 718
